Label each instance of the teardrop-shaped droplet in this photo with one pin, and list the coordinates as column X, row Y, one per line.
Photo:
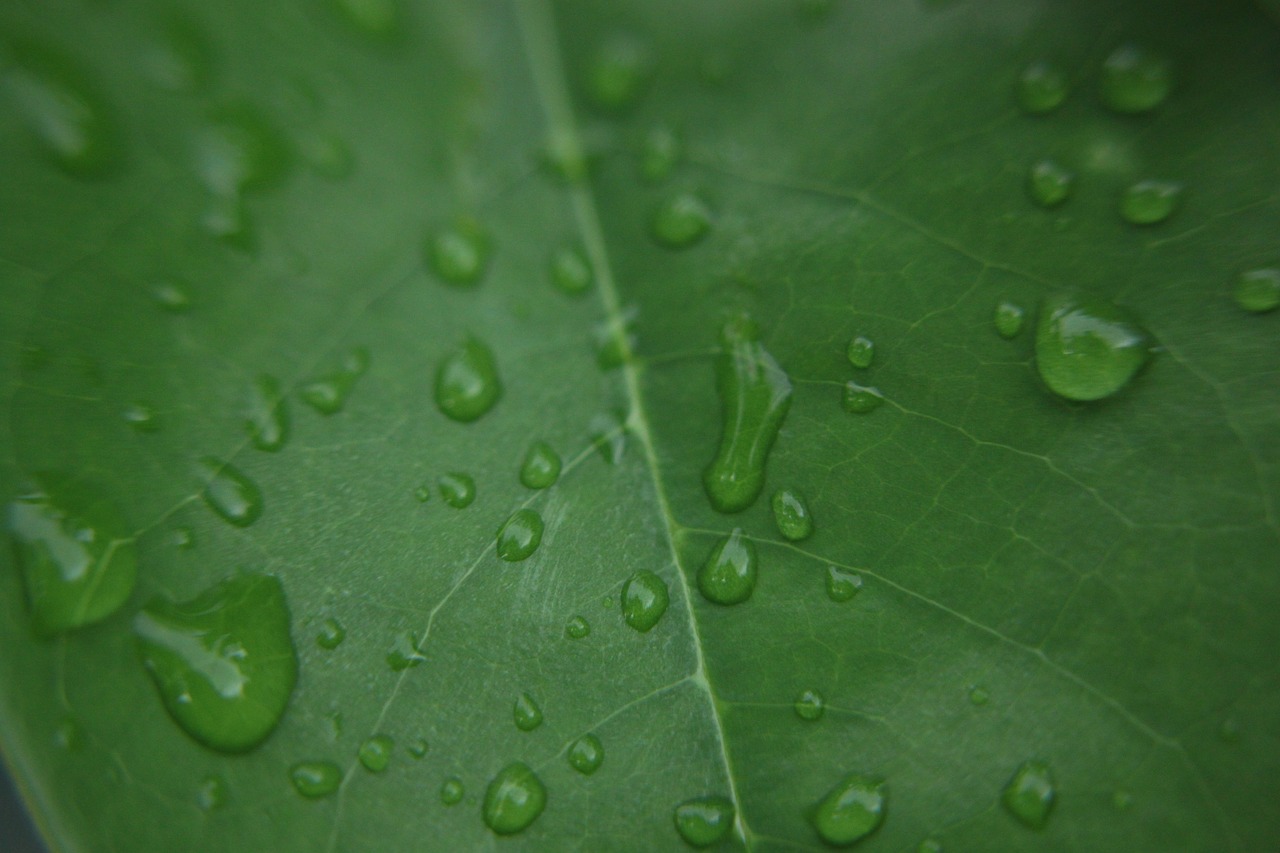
column 570, row 270
column 850, row 811
column 1049, row 184
column 861, row 352
column 527, row 714
column 459, row 254
column 328, row 394
column 791, row 515
column 1029, row 795
column 141, row 416
column 681, row 220
column 223, row 662
column 1042, row 87
column 513, row 800
column 375, row 753
column 1150, row 202
column 331, row 635
column 586, row 754
column 1008, row 319
column 1258, row 291
column 842, row 584
column 457, row 489
column 211, row 793
column 467, row 383
column 541, row 466
column 619, row 71
column 644, row 599
column 729, row 574
column 520, row 536
column 1135, row 79
column 577, row 628
column 267, row 419
column 451, row 791
column 860, row 399
column 703, row 821
column 315, row 779
column 810, row 705
column 659, row 154
column 1088, row 349
column 229, row 493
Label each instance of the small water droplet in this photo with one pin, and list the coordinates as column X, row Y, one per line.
column 1121, row 800
column 223, row 662
column 791, row 515
column 607, row 602
column 1088, row 349
column 861, row 352
column 1049, row 184
column 141, row 416
column 978, row 695
column 729, row 574
column 1135, row 79
column 850, row 811
column 240, row 151
column 459, row 254
column 331, row 635
column 1030, row 794
column 1229, row 731
column 315, row 779
column 418, row 747
column 375, row 753
column 570, row 270
column 266, row 418
column 328, row 156
column 586, row 754
column 842, row 584
column 377, row 20
column 681, row 220
column 405, row 653
column 860, row 399
column 562, row 156
column 659, row 154
column 616, row 340
column 929, row 845
column 1042, row 87
column 1008, row 319
column 541, row 466
column 422, row 494
column 1150, row 202
column 67, row 735
column 619, row 72
column 328, row 394
column 451, row 791
column 520, row 536
column 172, row 297
column 513, row 800
column 527, row 714
column 810, row 705
column 183, row 538
column 577, row 628
column 457, row 489
column 335, row 725
column 467, row 383
column 229, row 493
column 211, row 793
column 1258, row 291
column 644, row 599
column 703, row 821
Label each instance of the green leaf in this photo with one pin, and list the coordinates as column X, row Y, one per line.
column 274, row 276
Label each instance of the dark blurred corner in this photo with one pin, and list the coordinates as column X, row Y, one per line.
column 17, row 835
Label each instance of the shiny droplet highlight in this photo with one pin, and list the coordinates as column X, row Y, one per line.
column 514, row 799
column 229, row 493
column 644, row 599
column 1030, row 794
column 728, row 576
column 467, row 383
column 586, row 754
column 850, row 811
column 1087, row 348
column 520, row 536
column 703, row 821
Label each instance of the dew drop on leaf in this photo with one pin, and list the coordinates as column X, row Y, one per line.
column 680, row 220
column 810, row 705
column 514, row 799
column 1008, row 319
column 619, row 71
column 861, row 352
column 418, row 747
column 842, row 584
column 791, row 515
column 467, row 383
column 375, row 753
column 315, row 779
column 240, row 150
column 703, row 821
column 929, row 845
column 457, row 489
column 978, row 695
column 729, row 574
column 422, row 494
column 229, row 493
column 1042, row 87
column 459, row 254
column 141, row 416
column 183, row 538
column 520, row 536
column 328, row 394
column 180, row 60
column 405, row 653
column 331, row 635
column 171, row 296
column 1150, row 202
column 850, row 811
column 1135, row 79
column 586, row 754
column 1049, row 184
column 526, row 713
column 328, row 156
column 452, row 791
column 860, row 399
column 570, row 270
column 541, row 466
column 211, row 793
column 223, row 662
column 659, row 154
column 1121, row 801
column 1029, row 795
column 1087, row 348
column 644, row 599
column 1258, row 291
column 67, row 735
column 577, row 628
column 379, row 20
column 266, row 418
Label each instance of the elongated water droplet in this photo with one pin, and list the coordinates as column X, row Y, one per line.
column 586, row 755
column 230, row 494
column 211, row 793
column 729, row 574
column 703, row 821
column 459, row 254
column 1150, row 202
column 328, row 394
column 418, row 747
column 1008, row 320
column 223, row 662
column 520, row 536
column 810, row 705
column 375, row 753
column 644, row 599
column 659, row 154
column 791, row 515
column 1042, row 87
column 541, row 466
column 267, row 419
column 842, row 584
column 1049, row 184
column 1258, row 291
column 1088, row 349
column 527, row 714
column 619, row 72
column 457, row 489
column 577, row 628
column 1135, row 79
column 681, row 220
column 1030, row 794
column 467, row 383
column 77, row 557
column 172, row 296
column 513, row 800
column 240, row 151
column 860, row 399
column 451, row 791
column 852, row 810
column 570, row 270
column 315, row 779
column 331, row 635
column 861, row 352
column 405, row 653
column 141, row 416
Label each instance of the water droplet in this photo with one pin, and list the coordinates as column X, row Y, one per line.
column 331, row 635
column 1049, row 184
column 459, row 254
column 1121, row 800
column 1029, row 795
column 570, row 270
column 315, row 779
column 328, row 394
column 183, row 538
column 172, row 297
column 729, row 574
column 141, row 416
column 929, row 845
column 1135, row 79
column 791, row 514
column 211, row 794
column 527, row 714
column 335, row 725
column 1229, row 731
column 644, row 600
column 451, row 791
column 1042, row 88
column 861, row 352
column 77, row 557
column 541, row 466
column 181, row 59
column 659, row 154
column 223, row 662
column 1088, row 349
column 1150, row 202
column 67, row 736
column 586, row 755
column 810, row 705
column 513, row 800
column 520, row 536
column 860, row 399
column 422, row 494
column 607, row 602
column 681, row 220
column 458, row 490
column 418, row 747
column 562, row 157
column 467, row 383
column 240, row 151
column 703, row 821
column 375, row 753
column 616, row 340
column 978, row 695
column 619, row 72
column 1258, row 291
column 266, row 419
column 405, row 653
column 577, row 628
column 230, row 494
column 328, row 156
column 852, row 810
column 1008, row 319
column 378, row 20
column 226, row 219
column 842, row 584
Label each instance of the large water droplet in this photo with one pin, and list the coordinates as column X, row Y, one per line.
column 860, row 399
column 1150, row 202
column 541, row 466
column 729, row 574
column 77, row 557
column 1258, row 291
column 1042, row 87
column 842, row 584
column 457, row 489
column 406, row 653
column 315, row 779
column 451, row 791
column 755, row 395
column 644, row 599
column 703, row 821
column 1008, row 319
column 1088, row 349
column 467, row 383
column 211, row 793
column 1049, row 184
column 520, row 536
column 791, row 515
column 526, row 713
column 513, row 800
column 1029, row 795
column 375, row 753
column 577, row 628
column 229, row 493
column 459, row 254
column 681, row 220
column 659, row 154
column 810, row 705
column 619, row 72
column 141, row 416
column 331, row 635
column 328, row 394
column 586, row 754
column 1135, row 79
column 861, row 352
column 267, row 419
column 570, row 270
column 223, row 662
column 852, row 810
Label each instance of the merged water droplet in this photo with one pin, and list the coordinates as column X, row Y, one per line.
column 1150, row 202
column 405, row 653
column 659, row 154
column 1088, row 349
column 541, row 466
column 619, row 72
column 681, row 220
column 860, row 399
column 852, row 810
column 451, row 791
column 1008, row 319
column 1042, row 87
column 526, row 713
column 375, row 753
column 229, row 493
column 577, row 628
column 1030, row 794
column 810, row 705
column 459, row 254
column 703, row 821
column 223, row 662
column 586, row 754
column 861, row 352
column 457, row 489
column 570, row 270
column 644, row 599
column 467, row 383
column 266, row 418
column 1049, row 184
column 1258, row 291
column 328, row 394
column 729, row 574
column 513, row 800
column 141, row 416
column 211, row 793
column 331, row 635
column 315, row 779
column 842, row 584
column 1135, row 79
column 791, row 515
column 520, row 536
column 418, row 747
column 77, row 558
